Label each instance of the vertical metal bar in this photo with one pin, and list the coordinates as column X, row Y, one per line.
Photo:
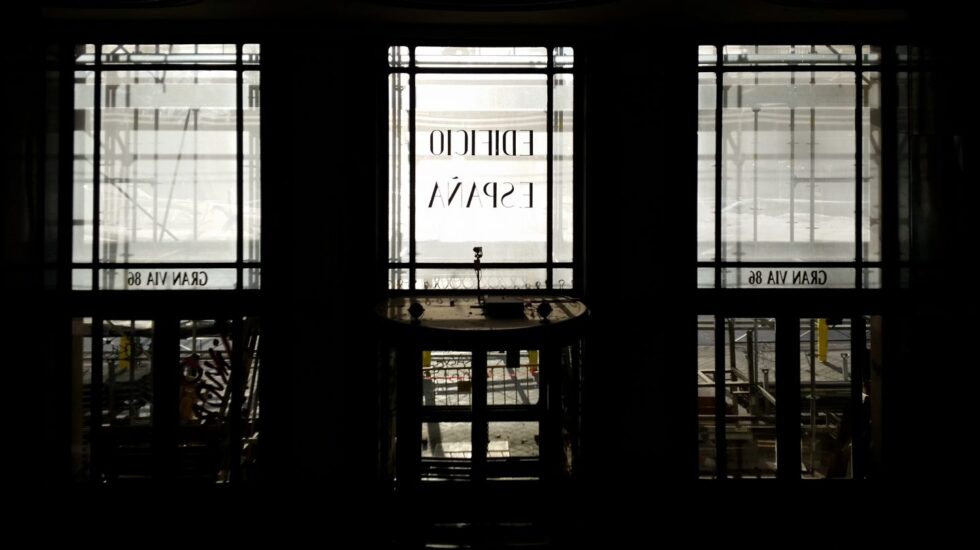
column 412, row 92
column 165, row 376
column 96, row 167
column 721, row 446
column 813, row 396
column 755, row 173
column 813, row 161
column 719, row 160
column 239, row 171
column 479, row 427
column 96, row 440
column 731, row 348
column 408, row 386
column 858, row 167
column 579, row 90
column 549, row 130
column 890, row 227
column 238, row 373
column 859, row 366
column 66, row 184
column 792, row 168
column 788, row 397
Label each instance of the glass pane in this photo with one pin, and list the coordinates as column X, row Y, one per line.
column 127, row 353
column 399, row 167
column 707, row 97
column 251, row 54
column 85, row 54
column 197, row 54
column 452, row 56
column 81, row 398
column 251, row 411
column 750, row 397
column 564, row 57
column 707, row 55
column 481, row 170
column 871, row 278
column 398, row 56
column 707, row 450
column 83, row 172
column 169, row 159
column 871, row 166
column 81, row 279
column 706, row 277
column 465, row 279
column 168, row 279
column 513, row 439
column 446, row 379
column 251, row 166
column 252, row 278
column 563, row 149
column 788, row 181
column 825, row 397
column 447, row 448
column 562, row 280
column 398, row 279
column 513, row 377
column 204, row 399
column 797, row 277
column 871, row 54
column 789, row 55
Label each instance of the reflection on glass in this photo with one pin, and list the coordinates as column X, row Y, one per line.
column 788, row 182
column 785, row 277
column 454, row 56
column 251, row 54
column 398, row 56
column 706, row 277
column 490, row 279
column 399, row 168
column 252, row 278
column 825, row 398
column 205, row 365
column 871, row 166
column 562, row 280
column 513, row 439
column 81, row 279
column 127, row 352
column 789, row 55
column 177, row 278
column 481, row 167
column 82, row 166
column 564, row 57
column 513, row 377
column 707, row 55
column 85, row 54
column 707, row 449
column 706, row 166
column 871, row 278
column 447, row 440
column 398, row 279
column 169, row 160
column 750, row 397
column 446, row 379
column 197, row 54
column 251, row 167
column 871, row 54
column 563, row 150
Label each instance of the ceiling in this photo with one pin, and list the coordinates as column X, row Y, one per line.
column 521, row 12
